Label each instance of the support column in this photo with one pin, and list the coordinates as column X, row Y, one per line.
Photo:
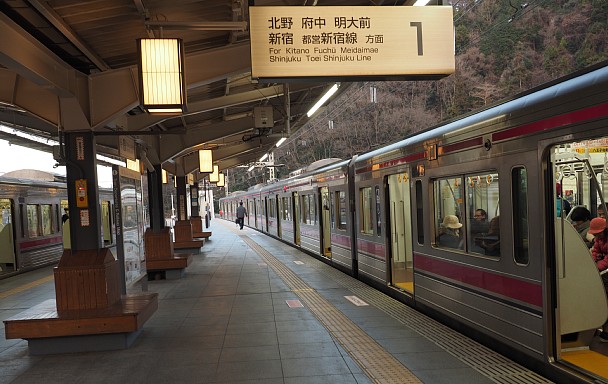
column 194, row 205
column 155, row 200
column 182, row 213
column 83, row 192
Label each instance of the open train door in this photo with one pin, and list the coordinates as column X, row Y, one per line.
column 577, row 178
column 296, row 218
column 7, row 240
column 325, row 222
column 400, row 239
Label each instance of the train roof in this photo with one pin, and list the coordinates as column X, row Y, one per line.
column 528, row 99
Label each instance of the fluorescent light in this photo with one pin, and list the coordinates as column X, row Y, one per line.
column 322, row 100
column 263, row 157
column 250, row 168
column 420, row 3
column 281, row 141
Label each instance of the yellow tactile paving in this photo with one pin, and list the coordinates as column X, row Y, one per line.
column 25, row 287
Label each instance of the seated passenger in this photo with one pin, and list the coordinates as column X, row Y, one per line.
column 449, row 233
column 600, row 211
column 581, row 217
column 491, row 242
column 597, row 228
column 479, row 227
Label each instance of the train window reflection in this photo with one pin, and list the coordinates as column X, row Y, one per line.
column 33, row 229
column 483, row 230
column 448, row 213
column 419, row 213
column 47, row 220
column 367, row 226
column 519, row 189
column 341, row 207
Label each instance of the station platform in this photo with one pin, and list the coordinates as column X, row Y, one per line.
column 251, row 309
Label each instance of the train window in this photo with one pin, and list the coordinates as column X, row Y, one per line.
column 519, row 190
column 271, row 208
column 33, row 225
column 47, row 219
column 419, row 212
column 305, row 218
column 5, row 211
column 483, row 236
column 448, row 212
column 378, row 215
column 367, row 223
column 313, row 213
column 341, row 209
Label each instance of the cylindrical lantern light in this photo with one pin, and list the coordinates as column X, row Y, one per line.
column 221, row 180
column 215, row 176
column 162, row 87
column 205, row 161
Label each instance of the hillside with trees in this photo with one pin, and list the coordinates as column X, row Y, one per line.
column 503, row 47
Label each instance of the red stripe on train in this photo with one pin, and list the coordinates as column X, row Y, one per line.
column 36, row 243
column 374, row 249
column 553, row 122
column 513, row 288
column 460, row 145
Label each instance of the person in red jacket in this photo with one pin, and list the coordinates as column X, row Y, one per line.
column 599, row 252
column 597, row 228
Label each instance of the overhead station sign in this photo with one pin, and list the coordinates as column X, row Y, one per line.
column 343, row 42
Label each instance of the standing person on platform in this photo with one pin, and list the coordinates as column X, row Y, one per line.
column 241, row 212
column 65, row 216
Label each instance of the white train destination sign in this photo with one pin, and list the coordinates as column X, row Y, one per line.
column 351, row 42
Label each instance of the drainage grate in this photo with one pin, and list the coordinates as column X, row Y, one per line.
column 379, row 365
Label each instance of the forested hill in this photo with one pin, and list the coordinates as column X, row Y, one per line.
column 503, row 47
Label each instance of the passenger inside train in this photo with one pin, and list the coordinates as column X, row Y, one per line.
column 449, row 235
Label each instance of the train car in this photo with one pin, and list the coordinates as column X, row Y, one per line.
column 468, row 221
column 31, row 230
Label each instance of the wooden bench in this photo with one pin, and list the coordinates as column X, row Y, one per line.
column 183, row 236
column 88, row 313
column 160, row 254
column 197, row 228
column 49, row 331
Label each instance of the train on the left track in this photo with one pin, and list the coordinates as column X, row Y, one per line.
column 467, row 221
column 31, row 226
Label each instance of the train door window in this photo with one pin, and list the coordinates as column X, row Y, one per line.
column 305, row 218
column 519, row 191
column 448, row 212
column 271, row 208
column 341, row 209
column 366, row 217
column 483, row 235
column 7, row 244
column 332, row 210
column 312, row 213
column 378, row 213
column 47, row 219
column 419, row 212
column 33, row 222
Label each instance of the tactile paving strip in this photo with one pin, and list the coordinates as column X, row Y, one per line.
column 491, row 364
column 379, row 365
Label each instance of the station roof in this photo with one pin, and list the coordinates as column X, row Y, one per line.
column 70, row 65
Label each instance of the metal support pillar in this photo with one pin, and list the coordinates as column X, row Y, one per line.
column 155, row 200
column 83, row 192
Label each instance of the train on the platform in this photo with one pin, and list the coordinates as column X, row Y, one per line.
column 32, row 232
column 467, row 221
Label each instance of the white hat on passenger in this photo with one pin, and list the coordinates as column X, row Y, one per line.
column 451, row 221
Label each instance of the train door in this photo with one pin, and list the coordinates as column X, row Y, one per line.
column 255, row 211
column 7, row 239
column 278, row 214
column 325, row 222
column 401, row 255
column 296, row 218
column 266, row 214
column 578, row 181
